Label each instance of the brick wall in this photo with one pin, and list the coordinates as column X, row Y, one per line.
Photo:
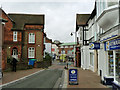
column 38, row 45
column 65, row 49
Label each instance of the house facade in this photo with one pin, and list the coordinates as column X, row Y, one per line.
column 23, row 36
column 30, row 29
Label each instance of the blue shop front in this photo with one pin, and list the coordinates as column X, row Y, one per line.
column 113, row 49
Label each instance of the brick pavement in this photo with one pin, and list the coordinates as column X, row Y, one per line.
column 87, row 79
column 11, row 76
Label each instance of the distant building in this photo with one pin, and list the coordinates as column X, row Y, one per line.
column 48, row 46
column 67, row 49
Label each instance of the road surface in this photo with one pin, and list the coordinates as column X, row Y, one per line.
column 44, row 79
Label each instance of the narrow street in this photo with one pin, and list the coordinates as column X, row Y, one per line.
column 45, row 79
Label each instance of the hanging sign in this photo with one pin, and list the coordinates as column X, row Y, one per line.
column 94, row 45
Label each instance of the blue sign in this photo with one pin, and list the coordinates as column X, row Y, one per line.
column 73, row 75
column 94, row 45
column 112, row 45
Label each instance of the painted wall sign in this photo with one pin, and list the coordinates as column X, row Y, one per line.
column 94, row 45
column 73, row 76
column 112, row 45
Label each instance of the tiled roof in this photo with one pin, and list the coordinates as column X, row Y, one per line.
column 22, row 19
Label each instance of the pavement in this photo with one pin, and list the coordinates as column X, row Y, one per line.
column 12, row 76
column 87, row 79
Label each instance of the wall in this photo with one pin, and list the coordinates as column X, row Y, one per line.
column 38, row 45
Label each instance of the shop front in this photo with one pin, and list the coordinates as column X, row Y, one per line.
column 93, row 47
column 112, row 47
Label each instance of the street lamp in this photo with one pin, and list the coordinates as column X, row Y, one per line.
column 75, row 45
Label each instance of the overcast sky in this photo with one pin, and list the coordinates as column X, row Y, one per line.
column 60, row 16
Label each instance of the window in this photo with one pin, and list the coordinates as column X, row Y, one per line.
column 111, row 65
column 62, row 52
column 31, row 38
column 91, row 58
column 14, row 36
column 31, row 52
column 69, row 52
column 117, row 62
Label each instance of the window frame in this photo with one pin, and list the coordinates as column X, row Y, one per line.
column 31, row 38
column 15, row 34
column 30, row 52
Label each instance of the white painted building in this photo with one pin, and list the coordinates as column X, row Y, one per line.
column 103, row 28
column 108, row 32
column 55, row 51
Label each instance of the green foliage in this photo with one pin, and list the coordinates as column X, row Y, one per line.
column 9, row 60
column 47, row 57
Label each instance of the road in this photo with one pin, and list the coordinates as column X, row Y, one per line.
column 44, row 79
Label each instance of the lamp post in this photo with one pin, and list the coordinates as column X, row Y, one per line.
column 75, row 62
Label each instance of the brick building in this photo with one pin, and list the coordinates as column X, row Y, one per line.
column 67, row 49
column 23, row 36
column 30, row 30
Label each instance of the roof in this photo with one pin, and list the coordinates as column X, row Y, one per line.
column 68, row 44
column 4, row 20
column 22, row 19
column 81, row 19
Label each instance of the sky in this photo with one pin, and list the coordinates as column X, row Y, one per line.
column 60, row 15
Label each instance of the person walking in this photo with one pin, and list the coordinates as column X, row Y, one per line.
column 14, row 63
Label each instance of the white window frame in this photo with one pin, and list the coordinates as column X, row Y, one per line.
column 15, row 36
column 31, row 52
column 31, row 38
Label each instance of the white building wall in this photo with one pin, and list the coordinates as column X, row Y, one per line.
column 85, row 57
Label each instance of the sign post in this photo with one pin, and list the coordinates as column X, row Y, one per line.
column 73, row 77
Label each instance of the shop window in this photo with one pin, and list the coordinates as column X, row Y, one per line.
column 117, row 65
column 110, row 63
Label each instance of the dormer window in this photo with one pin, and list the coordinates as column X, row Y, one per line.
column 31, row 38
column 15, row 36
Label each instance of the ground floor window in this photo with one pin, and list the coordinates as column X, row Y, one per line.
column 117, row 61
column 91, row 58
column 31, row 52
column 110, row 63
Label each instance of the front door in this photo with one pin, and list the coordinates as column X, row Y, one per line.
column 15, row 53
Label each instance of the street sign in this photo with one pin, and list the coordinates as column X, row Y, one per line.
column 73, row 77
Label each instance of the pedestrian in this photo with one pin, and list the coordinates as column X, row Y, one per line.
column 14, row 63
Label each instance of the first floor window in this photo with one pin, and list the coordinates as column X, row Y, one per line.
column 14, row 36
column 31, row 38
column 31, row 52
column 62, row 52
